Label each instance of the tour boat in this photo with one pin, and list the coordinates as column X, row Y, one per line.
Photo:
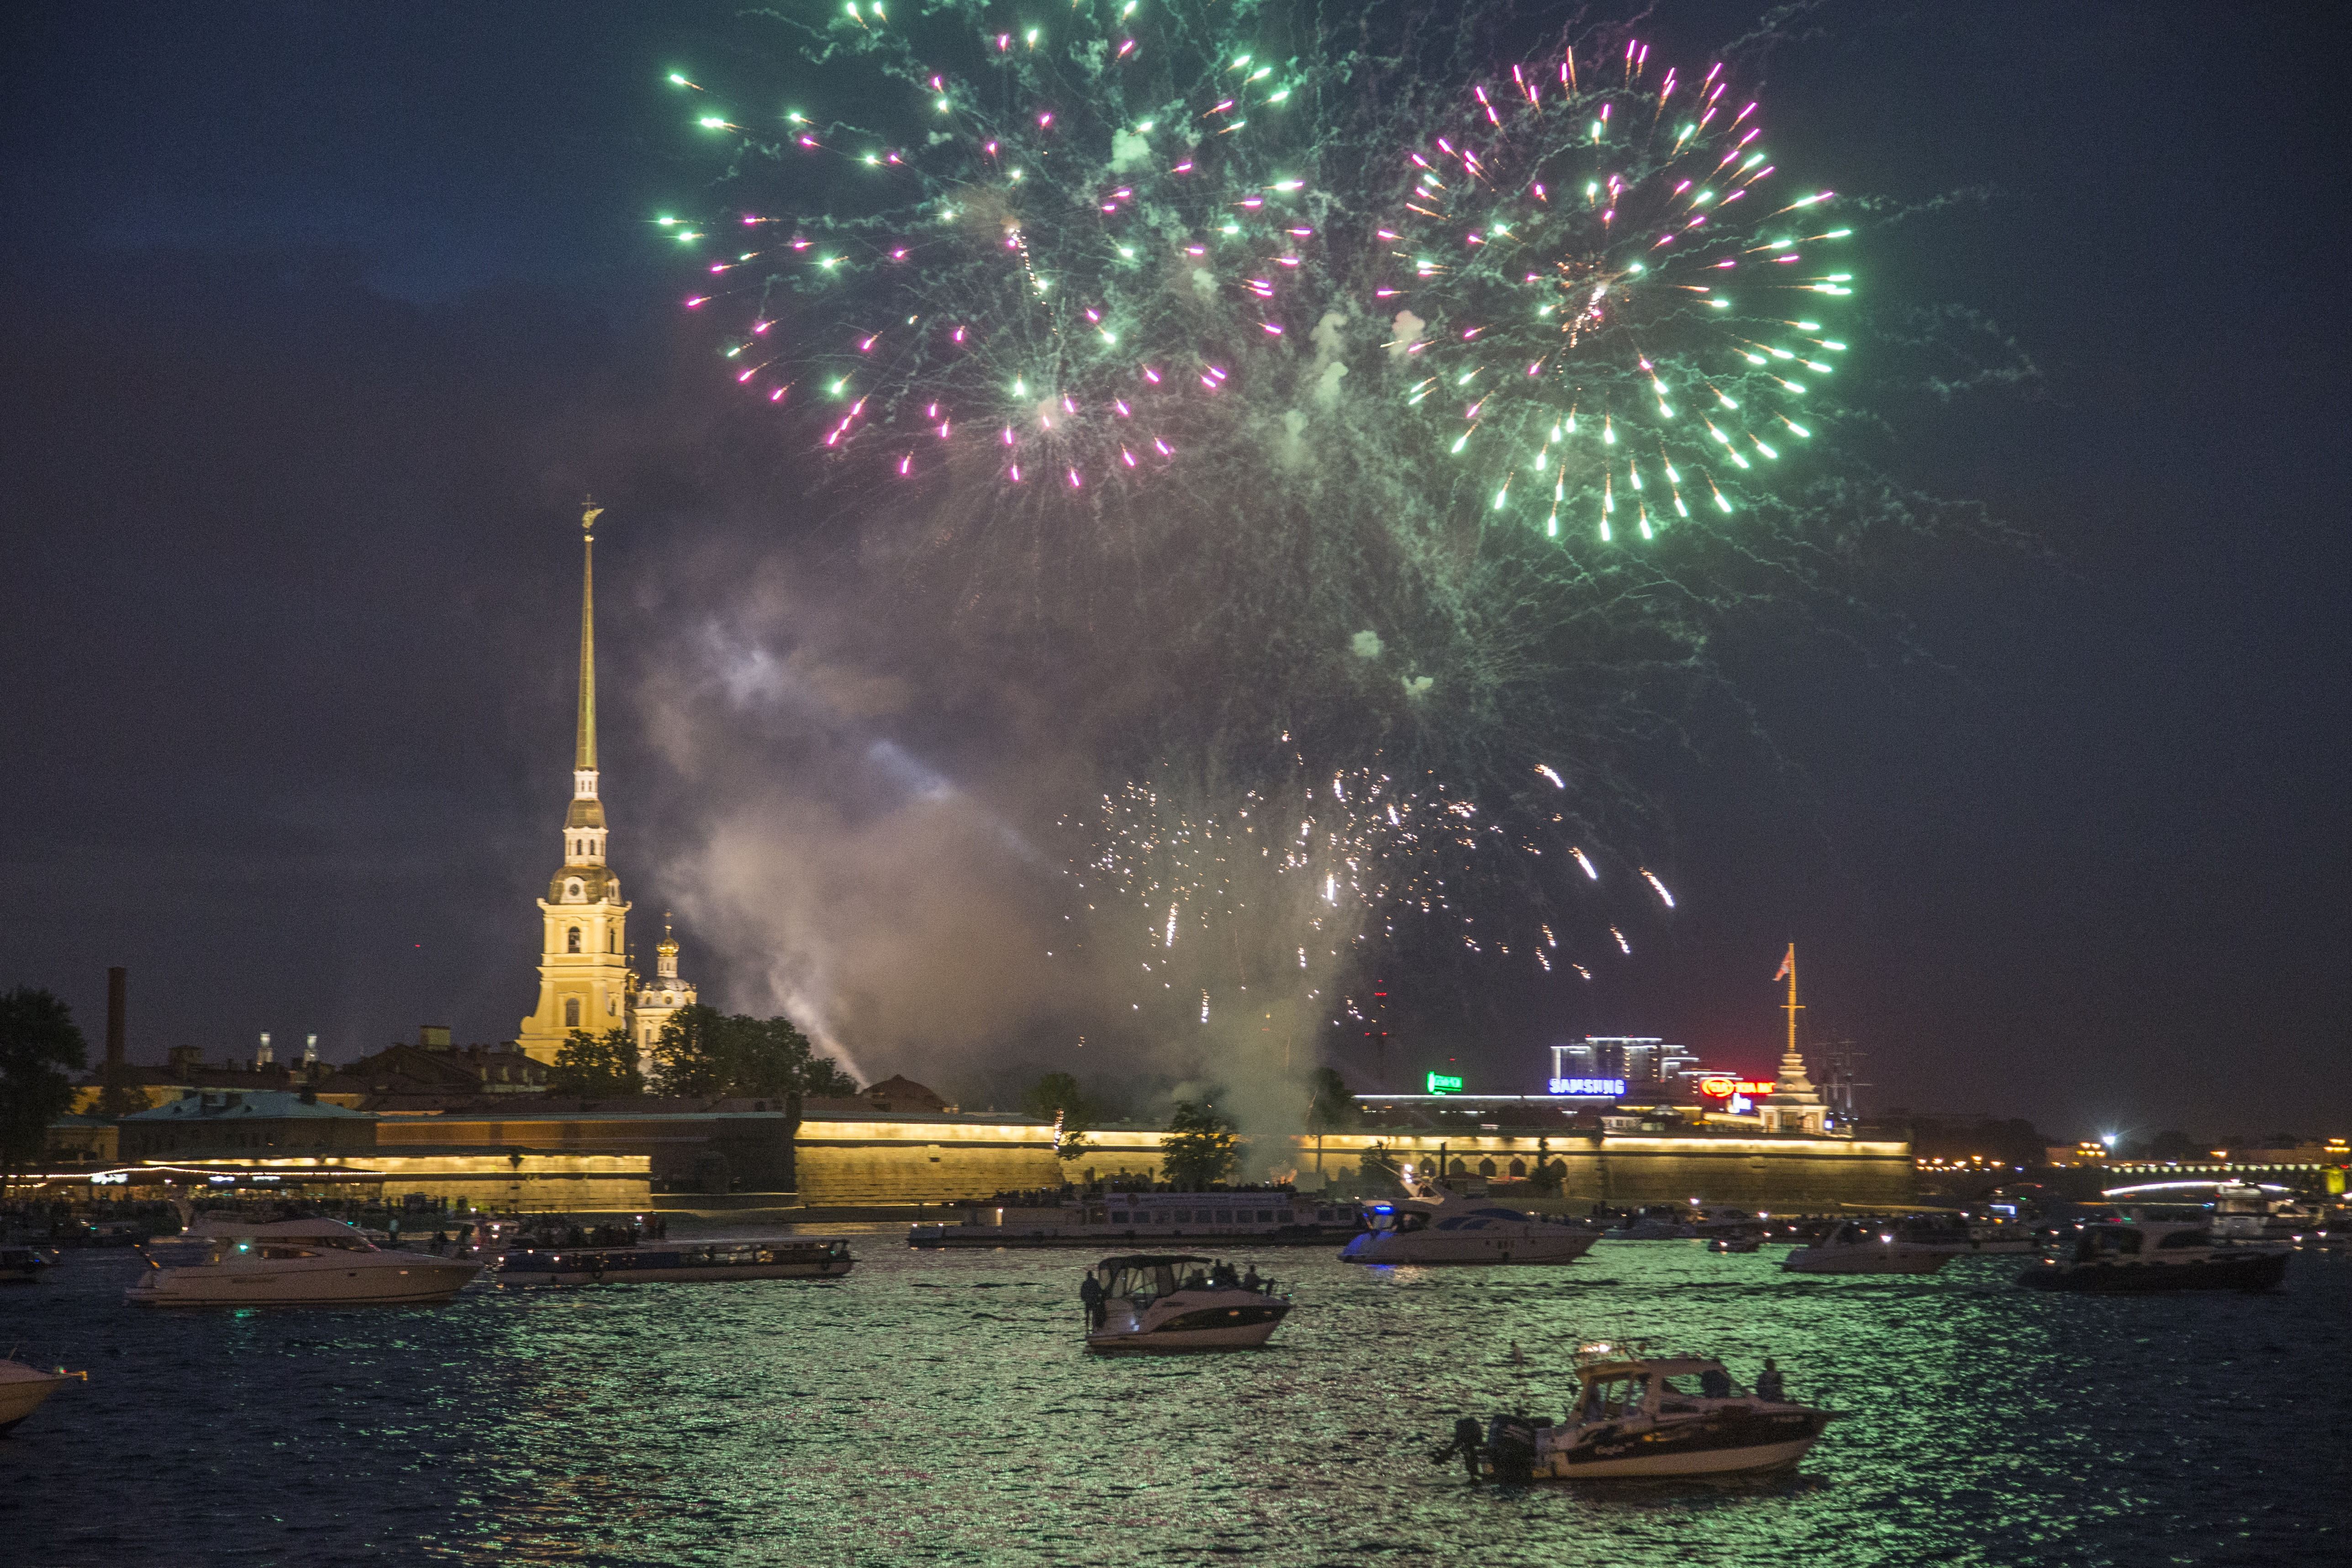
column 1632, row 1419
column 679, row 1260
column 1852, row 1249
column 1274, row 1217
column 1964, row 1237
column 1435, row 1225
column 297, row 1263
column 23, row 1387
column 24, row 1264
column 2155, row 1255
column 1151, row 1307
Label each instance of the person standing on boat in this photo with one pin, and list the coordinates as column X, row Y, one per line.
column 1090, row 1294
column 1769, row 1385
column 1249, row 1280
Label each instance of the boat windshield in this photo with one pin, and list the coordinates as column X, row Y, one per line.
column 1606, row 1399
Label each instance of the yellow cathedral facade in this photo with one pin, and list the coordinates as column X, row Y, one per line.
column 586, row 978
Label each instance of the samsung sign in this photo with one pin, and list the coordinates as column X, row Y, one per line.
column 1592, row 1088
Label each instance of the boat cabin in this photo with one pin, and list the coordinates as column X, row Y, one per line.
column 1148, row 1276
column 1613, row 1390
column 2102, row 1243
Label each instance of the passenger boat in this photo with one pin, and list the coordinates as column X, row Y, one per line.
column 677, row 1261
column 1436, row 1225
column 23, row 1387
column 1275, row 1218
column 296, row 1263
column 1963, row 1237
column 24, row 1264
column 1854, row 1248
column 1152, row 1307
column 1633, row 1419
column 2130, row 1256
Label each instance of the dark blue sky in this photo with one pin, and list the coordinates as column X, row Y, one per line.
column 318, row 317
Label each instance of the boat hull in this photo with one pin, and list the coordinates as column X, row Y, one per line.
column 1189, row 1322
column 426, row 1282
column 2252, row 1271
column 20, row 1396
column 1733, row 1442
column 1749, row 1460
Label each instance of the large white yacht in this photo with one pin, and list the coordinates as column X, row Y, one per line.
column 1855, row 1248
column 294, row 1263
column 1436, row 1225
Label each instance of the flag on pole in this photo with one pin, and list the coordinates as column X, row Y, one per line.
column 1788, row 964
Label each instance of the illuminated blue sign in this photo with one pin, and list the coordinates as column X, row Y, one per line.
column 1596, row 1087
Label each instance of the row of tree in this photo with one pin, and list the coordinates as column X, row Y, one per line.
column 701, row 1053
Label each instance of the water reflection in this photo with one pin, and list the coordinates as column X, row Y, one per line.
column 936, row 1408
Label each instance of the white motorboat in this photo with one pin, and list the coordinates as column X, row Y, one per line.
column 1854, row 1248
column 1435, row 1225
column 1633, row 1419
column 296, row 1263
column 1151, row 1306
column 23, row 1387
column 2140, row 1255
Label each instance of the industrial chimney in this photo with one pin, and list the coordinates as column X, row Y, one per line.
column 117, row 985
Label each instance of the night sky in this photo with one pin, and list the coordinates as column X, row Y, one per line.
column 320, row 320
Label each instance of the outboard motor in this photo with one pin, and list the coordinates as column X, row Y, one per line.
column 1465, row 1443
column 1511, row 1448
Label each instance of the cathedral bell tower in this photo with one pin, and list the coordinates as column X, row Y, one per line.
column 584, row 970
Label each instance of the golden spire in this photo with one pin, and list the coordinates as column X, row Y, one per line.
column 584, row 752
column 669, row 948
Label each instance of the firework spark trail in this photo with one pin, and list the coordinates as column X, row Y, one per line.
column 1603, row 278
column 1106, row 324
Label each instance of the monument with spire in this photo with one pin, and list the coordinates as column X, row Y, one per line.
column 585, row 982
column 1794, row 1105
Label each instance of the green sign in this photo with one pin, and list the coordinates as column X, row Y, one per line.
column 1441, row 1084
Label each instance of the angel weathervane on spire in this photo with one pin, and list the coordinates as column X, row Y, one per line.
column 589, row 513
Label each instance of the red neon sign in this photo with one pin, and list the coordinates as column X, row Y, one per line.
column 1719, row 1086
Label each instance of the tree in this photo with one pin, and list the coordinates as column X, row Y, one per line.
column 704, row 1054
column 39, row 1050
column 596, row 1066
column 1199, row 1147
column 1329, row 1107
column 1057, row 1095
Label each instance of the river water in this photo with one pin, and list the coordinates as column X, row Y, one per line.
column 936, row 1408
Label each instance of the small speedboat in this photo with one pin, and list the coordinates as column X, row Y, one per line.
column 1852, row 1249
column 23, row 1387
column 1435, row 1225
column 1740, row 1241
column 2130, row 1256
column 1634, row 1419
column 1151, row 1306
column 295, row 1263
column 682, row 1260
column 23, row 1264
